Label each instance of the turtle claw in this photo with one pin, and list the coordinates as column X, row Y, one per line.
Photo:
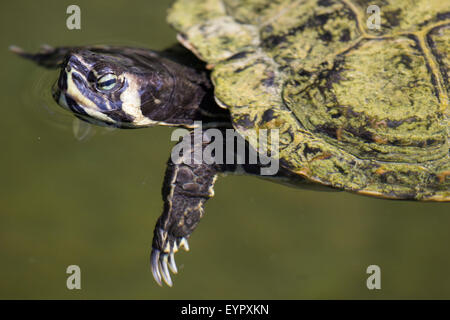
column 164, row 260
column 154, row 262
column 159, row 266
column 183, row 242
column 164, row 270
column 172, row 264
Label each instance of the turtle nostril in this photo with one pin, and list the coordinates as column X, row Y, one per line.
column 67, row 63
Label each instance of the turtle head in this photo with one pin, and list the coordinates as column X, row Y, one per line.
column 123, row 87
column 114, row 88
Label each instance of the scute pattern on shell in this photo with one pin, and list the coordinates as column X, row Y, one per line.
column 358, row 109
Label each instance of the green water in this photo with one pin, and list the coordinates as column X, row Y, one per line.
column 92, row 198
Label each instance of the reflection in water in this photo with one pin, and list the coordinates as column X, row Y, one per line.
column 82, row 130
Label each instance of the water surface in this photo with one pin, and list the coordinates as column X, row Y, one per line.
column 91, row 198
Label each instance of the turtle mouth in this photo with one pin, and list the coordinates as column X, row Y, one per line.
column 65, row 101
column 69, row 91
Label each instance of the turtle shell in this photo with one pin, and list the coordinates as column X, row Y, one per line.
column 358, row 108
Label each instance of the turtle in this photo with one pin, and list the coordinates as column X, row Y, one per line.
column 355, row 105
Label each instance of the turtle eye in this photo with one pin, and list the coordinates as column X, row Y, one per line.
column 107, row 82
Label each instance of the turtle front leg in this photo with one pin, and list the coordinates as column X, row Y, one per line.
column 187, row 186
column 47, row 57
